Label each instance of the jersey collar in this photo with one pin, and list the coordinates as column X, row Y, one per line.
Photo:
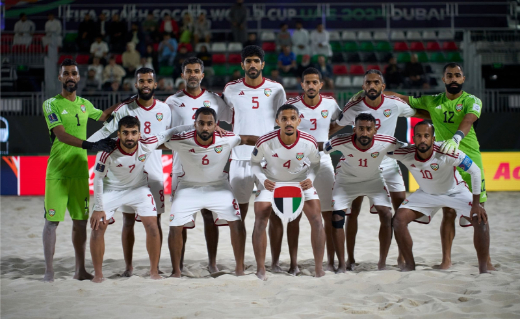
column 420, row 160
column 144, row 107
column 193, row 96
column 309, row 106
column 118, row 142
column 293, row 144
column 354, row 143
column 254, row 87
column 205, row 146
column 377, row 107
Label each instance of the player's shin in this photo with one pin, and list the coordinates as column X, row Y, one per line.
column 275, row 240
column 293, row 234
column 313, row 213
column 175, row 245
column 153, row 244
column 79, row 240
column 49, row 246
column 338, row 235
column 237, row 233
column 385, row 235
column 97, row 251
column 481, row 243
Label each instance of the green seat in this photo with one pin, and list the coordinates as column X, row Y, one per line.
column 366, row 47
column 299, row 59
column 383, row 46
column 437, row 57
column 336, row 46
column 454, row 57
column 271, row 58
column 166, row 70
column 233, row 68
column 70, row 37
column 350, row 46
column 314, row 58
column 267, row 70
column 220, row 70
column 403, row 57
column 422, row 57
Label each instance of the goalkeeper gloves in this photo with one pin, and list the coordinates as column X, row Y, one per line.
column 451, row 146
column 105, row 145
column 358, row 96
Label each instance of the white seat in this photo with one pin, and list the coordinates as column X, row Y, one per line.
column 267, row 36
column 343, row 82
column 413, row 35
column 445, row 35
column 200, row 45
column 178, row 81
column 348, row 36
column 381, row 36
column 334, row 36
column 289, row 82
column 218, row 47
column 234, row 47
column 364, row 35
column 357, row 81
column 397, row 36
column 429, row 35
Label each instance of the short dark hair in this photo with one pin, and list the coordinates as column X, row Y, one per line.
column 192, row 60
column 452, row 65
column 205, row 111
column 424, row 123
column 22, row 14
column 365, row 117
column 253, row 50
column 68, row 62
column 129, row 121
column 311, row 70
column 145, row 71
column 375, row 71
column 287, row 107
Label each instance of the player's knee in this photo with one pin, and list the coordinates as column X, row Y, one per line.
column 399, row 220
column 338, row 219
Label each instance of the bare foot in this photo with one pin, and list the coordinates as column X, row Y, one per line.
column 260, row 273
column 156, row 277
column 160, row 272
column 97, row 279
column 49, row 276
column 319, row 273
column 295, row 271
column 128, row 272
column 381, row 265
column 175, row 275
column 490, row 266
column 239, row 272
column 275, row 268
column 212, row 269
column 445, row 264
column 83, row 275
column 330, row 267
column 350, row 264
column 400, row 262
column 406, row 269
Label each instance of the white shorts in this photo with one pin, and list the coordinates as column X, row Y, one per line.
column 263, row 195
column 392, row 175
column 189, row 199
column 175, row 182
column 242, row 180
column 428, row 204
column 138, row 200
column 324, row 182
column 345, row 193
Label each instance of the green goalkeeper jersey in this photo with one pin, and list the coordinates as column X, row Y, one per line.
column 447, row 115
column 66, row 161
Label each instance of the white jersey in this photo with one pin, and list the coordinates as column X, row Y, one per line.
column 183, row 107
column 357, row 165
column 437, row 174
column 254, row 110
column 286, row 163
column 203, row 164
column 315, row 120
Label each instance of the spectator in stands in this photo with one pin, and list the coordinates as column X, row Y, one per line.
column 92, row 84
column 86, row 33
column 238, row 18
column 126, row 87
column 136, row 37
column 164, row 85
column 113, row 87
column 167, row 49
column 169, row 26
column 102, row 26
column 186, row 29
column 182, row 55
column 52, row 32
column 149, row 24
column 204, row 55
column 131, row 58
column 326, row 72
column 152, row 57
column 287, row 61
column 99, row 49
column 236, row 75
column 415, row 75
column 98, row 67
column 275, row 76
column 117, row 31
column 182, row 86
column 393, row 74
column 113, row 72
column 300, row 40
column 23, row 30
column 320, row 41
column 283, row 38
column 252, row 40
column 153, row 37
column 145, row 63
column 304, row 64
column 202, row 29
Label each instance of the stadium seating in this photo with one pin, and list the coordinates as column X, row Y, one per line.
column 357, row 81
column 348, row 36
column 403, row 57
column 369, row 57
column 433, row 46
column 356, row 69
column 271, row 58
column 445, row 35
column 422, row 57
column 18, row 48
column 364, row 36
column 413, row 36
column 400, row 46
column 350, row 46
column 437, row 57
column 63, row 57
column 82, row 58
column 449, row 46
column 269, row 46
column 220, row 70
column 373, row 67
column 290, row 82
column 339, row 69
column 35, row 48
column 417, row 46
column 5, row 48
column 178, row 81
column 397, row 36
column 353, row 57
column 454, row 57
column 234, row 47
column 166, row 70
column 218, row 58
column 335, row 46
column 429, row 35
column 380, row 35
column 267, row 36
column 343, row 81
column 234, row 58
column 267, row 69
column 337, row 57
column 199, row 46
column 188, row 47
column 119, row 58
column 383, row 46
column 218, row 47
column 233, row 68
column 366, row 46
column 334, row 36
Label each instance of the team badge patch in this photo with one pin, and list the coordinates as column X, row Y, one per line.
column 387, row 112
column 268, row 92
column 142, row 157
column 375, row 154
column 288, row 201
column 218, row 149
column 332, row 204
column 52, row 118
column 100, row 167
column 434, row 166
column 159, row 116
column 255, row 151
column 83, row 109
column 299, row 156
column 171, row 217
column 206, row 103
column 405, row 202
column 324, row 114
column 458, row 107
column 52, row 212
column 328, row 147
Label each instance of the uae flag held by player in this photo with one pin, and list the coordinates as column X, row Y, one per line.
column 288, row 201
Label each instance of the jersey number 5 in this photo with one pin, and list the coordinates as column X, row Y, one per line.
column 255, row 102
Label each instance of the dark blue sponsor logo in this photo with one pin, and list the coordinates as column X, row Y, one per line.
column 100, row 167
column 328, row 147
column 466, row 163
column 255, row 151
column 52, row 118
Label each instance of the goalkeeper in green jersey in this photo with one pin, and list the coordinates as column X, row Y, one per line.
column 66, row 182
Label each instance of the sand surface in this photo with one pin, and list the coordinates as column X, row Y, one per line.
column 429, row 293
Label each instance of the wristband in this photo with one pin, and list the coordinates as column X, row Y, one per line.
column 459, row 135
column 87, row 145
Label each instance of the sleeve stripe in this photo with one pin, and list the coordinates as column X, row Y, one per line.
column 308, row 139
column 263, row 140
column 349, row 105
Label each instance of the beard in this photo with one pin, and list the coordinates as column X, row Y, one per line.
column 251, row 76
column 191, row 85
column 425, row 149
column 364, row 140
column 145, row 96
column 70, row 89
column 311, row 94
column 130, row 144
column 454, row 90
column 370, row 94
column 205, row 135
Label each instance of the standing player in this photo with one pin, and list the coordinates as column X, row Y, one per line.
column 291, row 156
column 254, row 101
column 183, row 105
column 440, row 185
column 203, row 155
column 66, row 181
column 358, row 174
column 154, row 117
column 317, row 113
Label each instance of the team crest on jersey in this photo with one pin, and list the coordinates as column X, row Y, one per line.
column 458, row 107
column 387, row 112
column 405, row 202
column 299, row 156
column 83, row 108
column 268, row 92
column 375, row 154
column 159, row 116
column 332, row 204
column 434, row 166
column 171, row 217
column 218, row 149
column 206, row 103
column 52, row 212
column 142, row 157
column 324, row 114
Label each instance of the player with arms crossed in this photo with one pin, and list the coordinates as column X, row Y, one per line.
column 183, row 105
column 254, row 101
column 203, row 155
column 358, row 174
column 66, row 181
column 317, row 113
column 155, row 117
column 440, row 185
column 291, row 156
